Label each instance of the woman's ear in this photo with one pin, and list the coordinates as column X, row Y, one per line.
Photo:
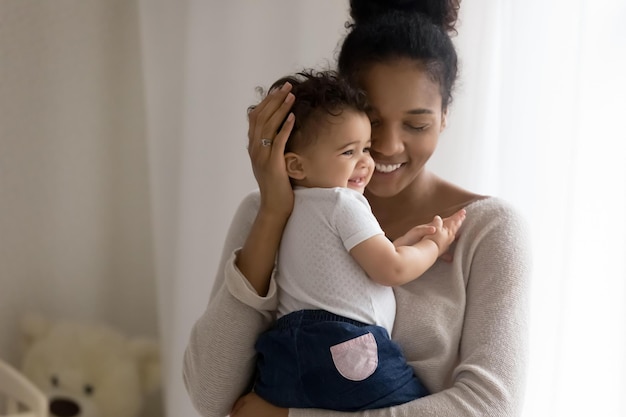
column 295, row 169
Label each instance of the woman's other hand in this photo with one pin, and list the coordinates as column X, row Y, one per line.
column 251, row 405
column 266, row 149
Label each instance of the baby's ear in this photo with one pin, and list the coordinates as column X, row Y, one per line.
column 295, row 169
column 146, row 352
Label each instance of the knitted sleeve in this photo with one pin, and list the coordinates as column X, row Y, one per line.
column 490, row 375
column 219, row 359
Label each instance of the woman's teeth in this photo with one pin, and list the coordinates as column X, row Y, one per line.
column 385, row 168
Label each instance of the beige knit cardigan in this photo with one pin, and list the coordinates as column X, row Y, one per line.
column 462, row 325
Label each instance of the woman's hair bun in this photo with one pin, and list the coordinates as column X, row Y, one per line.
column 441, row 12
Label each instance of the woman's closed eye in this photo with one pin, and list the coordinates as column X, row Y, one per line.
column 411, row 126
column 417, row 128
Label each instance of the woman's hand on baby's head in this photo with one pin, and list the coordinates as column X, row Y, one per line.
column 267, row 148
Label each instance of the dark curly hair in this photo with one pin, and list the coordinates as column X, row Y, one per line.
column 318, row 94
column 384, row 30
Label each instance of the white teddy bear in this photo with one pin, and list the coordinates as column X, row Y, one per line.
column 89, row 370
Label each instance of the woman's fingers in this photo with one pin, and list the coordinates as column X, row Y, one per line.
column 251, row 405
column 237, row 406
column 278, row 146
column 268, row 132
column 267, row 149
column 271, row 118
column 278, row 117
column 265, row 119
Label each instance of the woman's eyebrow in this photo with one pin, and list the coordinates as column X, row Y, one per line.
column 420, row 111
column 412, row 111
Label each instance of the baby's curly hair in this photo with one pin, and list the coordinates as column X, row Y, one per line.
column 318, row 94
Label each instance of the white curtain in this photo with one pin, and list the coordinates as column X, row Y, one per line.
column 539, row 122
column 202, row 62
column 536, row 120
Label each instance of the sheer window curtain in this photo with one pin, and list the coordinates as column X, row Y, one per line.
column 536, row 120
column 202, row 63
column 579, row 294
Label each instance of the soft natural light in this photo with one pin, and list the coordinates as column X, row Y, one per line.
column 578, row 323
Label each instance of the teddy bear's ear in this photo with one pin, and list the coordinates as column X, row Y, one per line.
column 33, row 326
column 146, row 351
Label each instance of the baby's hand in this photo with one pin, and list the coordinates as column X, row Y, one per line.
column 414, row 235
column 446, row 230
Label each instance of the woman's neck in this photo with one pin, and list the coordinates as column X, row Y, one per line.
column 418, row 203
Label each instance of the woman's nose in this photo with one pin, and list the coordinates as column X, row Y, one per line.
column 387, row 140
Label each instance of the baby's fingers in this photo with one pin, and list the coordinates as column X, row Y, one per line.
column 455, row 221
column 414, row 235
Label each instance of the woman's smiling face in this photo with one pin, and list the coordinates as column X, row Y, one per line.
column 406, row 118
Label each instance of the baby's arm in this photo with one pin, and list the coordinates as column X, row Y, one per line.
column 394, row 264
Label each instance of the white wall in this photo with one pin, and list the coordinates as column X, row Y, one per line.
column 75, row 238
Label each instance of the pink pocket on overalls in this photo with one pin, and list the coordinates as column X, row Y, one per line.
column 356, row 359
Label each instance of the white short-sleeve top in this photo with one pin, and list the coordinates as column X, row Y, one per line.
column 315, row 268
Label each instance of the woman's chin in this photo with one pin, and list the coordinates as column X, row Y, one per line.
column 383, row 185
column 380, row 191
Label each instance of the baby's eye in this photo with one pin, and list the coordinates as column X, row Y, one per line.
column 348, row 152
column 366, row 150
column 374, row 123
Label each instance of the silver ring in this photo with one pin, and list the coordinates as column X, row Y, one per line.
column 266, row 142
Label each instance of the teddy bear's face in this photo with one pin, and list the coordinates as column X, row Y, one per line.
column 70, row 391
column 85, row 374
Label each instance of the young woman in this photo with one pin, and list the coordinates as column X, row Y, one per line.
column 462, row 325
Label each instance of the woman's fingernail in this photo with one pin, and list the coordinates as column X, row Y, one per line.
column 286, row 86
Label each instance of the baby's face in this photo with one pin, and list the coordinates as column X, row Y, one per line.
column 340, row 156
